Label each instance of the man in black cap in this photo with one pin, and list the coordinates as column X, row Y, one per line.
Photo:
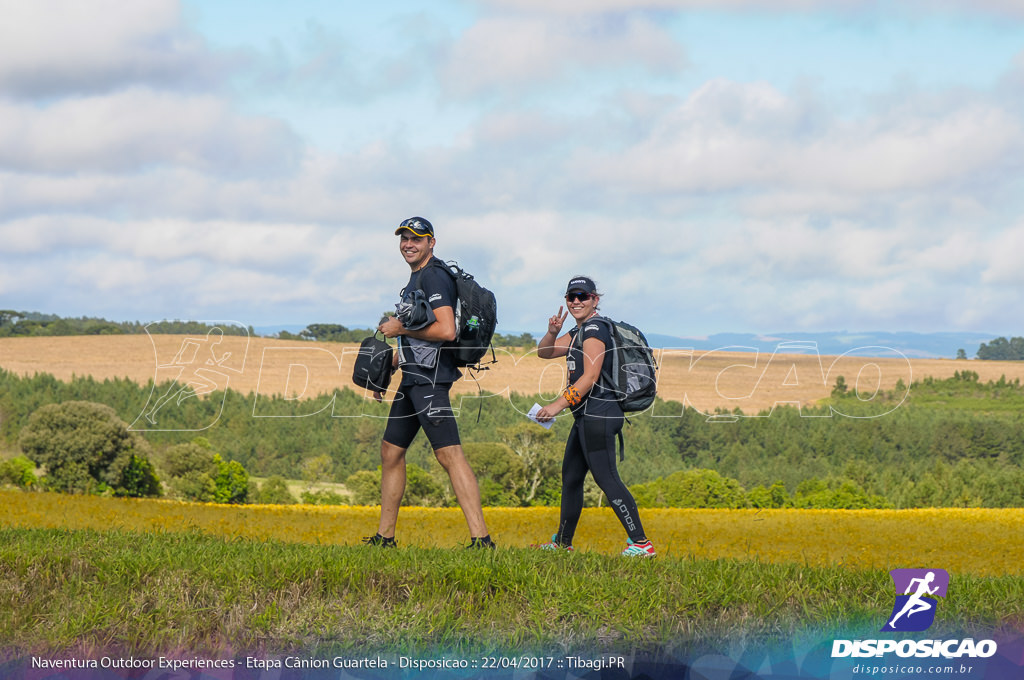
column 424, row 322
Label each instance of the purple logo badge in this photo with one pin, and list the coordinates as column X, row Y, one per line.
column 916, row 590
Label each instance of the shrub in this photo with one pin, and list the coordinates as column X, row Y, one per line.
column 231, row 482
column 773, row 497
column 18, row 471
column 324, row 497
column 501, row 474
column 364, row 487
column 274, row 491
column 195, row 473
column 420, row 487
column 836, row 494
column 691, row 489
column 86, row 448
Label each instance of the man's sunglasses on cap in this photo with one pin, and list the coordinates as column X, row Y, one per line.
column 417, row 226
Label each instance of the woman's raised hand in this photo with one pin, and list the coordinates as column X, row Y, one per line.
column 556, row 321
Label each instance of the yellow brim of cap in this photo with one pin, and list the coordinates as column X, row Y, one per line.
column 411, row 230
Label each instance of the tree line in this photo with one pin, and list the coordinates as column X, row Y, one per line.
column 954, row 442
column 36, row 324
column 329, row 332
column 1002, row 349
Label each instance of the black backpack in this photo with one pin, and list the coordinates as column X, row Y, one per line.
column 372, row 369
column 476, row 317
column 634, row 373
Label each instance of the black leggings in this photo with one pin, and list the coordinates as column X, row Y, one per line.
column 591, row 446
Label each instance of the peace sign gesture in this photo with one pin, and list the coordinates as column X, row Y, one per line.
column 556, row 321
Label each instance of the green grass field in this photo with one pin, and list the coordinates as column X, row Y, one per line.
column 148, row 593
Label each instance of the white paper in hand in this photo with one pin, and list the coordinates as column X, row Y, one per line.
column 532, row 415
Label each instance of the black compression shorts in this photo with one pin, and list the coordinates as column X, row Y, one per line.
column 422, row 406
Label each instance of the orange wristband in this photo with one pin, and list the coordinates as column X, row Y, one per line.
column 572, row 395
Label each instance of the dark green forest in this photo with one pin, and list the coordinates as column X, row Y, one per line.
column 1002, row 349
column 36, row 324
column 955, row 442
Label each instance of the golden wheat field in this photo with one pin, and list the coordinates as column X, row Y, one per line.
column 701, row 380
column 982, row 542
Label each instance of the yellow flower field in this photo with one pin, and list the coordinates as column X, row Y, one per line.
column 983, row 542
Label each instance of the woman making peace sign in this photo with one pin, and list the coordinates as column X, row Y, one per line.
column 597, row 417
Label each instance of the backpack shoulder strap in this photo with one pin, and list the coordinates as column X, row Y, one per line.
column 606, row 376
column 613, row 349
column 446, row 266
column 604, row 319
column 419, row 275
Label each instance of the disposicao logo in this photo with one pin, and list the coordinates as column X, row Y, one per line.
column 914, row 611
column 916, row 590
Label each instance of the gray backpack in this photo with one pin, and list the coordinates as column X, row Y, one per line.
column 634, row 372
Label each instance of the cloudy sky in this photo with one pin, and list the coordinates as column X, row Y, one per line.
column 742, row 165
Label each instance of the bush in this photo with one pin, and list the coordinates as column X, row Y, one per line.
column 195, row 473
column 324, row 497
column 501, row 474
column 540, row 454
column 492, row 495
column 86, row 448
column 773, row 497
column 364, row 487
column 138, row 479
column 231, row 482
column 18, row 471
column 420, row 487
column 691, row 489
column 274, row 491
column 836, row 494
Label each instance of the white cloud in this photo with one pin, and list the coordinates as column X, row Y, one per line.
column 281, row 247
column 508, row 55
column 330, row 65
column 44, row 234
column 730, row 136
column 950, row 257
column 516, row 130
column 615, row 6
column 136, row 129
column 105, row 274
column 1010, row 8
column 1003, row 261
column 54, row 47
column 317, row 189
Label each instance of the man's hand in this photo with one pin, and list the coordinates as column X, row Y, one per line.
column 391, row 328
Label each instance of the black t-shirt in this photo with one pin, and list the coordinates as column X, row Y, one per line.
column 426, row 362
column 599, row 399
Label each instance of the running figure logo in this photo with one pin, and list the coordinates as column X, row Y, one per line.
column 916, row 590
column 200, row 366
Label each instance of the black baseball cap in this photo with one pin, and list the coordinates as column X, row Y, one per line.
column 417, row 225
column 581, row 284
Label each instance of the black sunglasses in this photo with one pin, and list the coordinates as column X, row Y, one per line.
column 582, row 297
